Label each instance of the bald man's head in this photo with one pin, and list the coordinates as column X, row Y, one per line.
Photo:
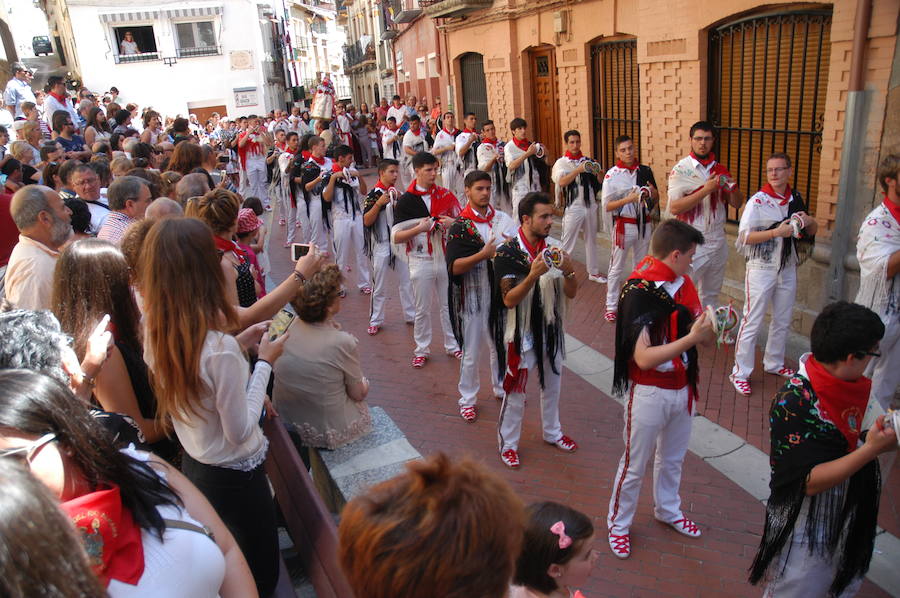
column 191, row 185
column 163, row 207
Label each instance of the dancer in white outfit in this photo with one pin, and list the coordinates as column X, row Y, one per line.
column 490, row 160
column 451, row 166
column 293, row 208
column 628, row 198
column 344, row 190
column 378, row 218
column 471, row 245
column 700, row 189
column 659, row 326
column 390, row 141
column 576, row 193
column 251, row 147
column 413, row 143
column 467, row 142
column 766, row 238
column 532, row 321
column 525, row 171
column 421, row 218
column 309, row 181
column 878, row 251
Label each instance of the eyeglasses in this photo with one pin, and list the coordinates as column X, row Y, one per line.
column 777, row 170
column 702, row 138
column 29, row 450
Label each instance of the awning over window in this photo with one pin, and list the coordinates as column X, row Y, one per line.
column 129, row 17
column 202, row 11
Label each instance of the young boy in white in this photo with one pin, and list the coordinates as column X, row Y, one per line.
column 421, row 218
column 344, row 190
column 765, row 238
column 533, row 294
column 878, row 252
column 445, row 150
column 523, row 167
column 471, row 245
column 576, row 192
column 490, row 160
column 467, row 142
column 390, row 141
column 310, row 182
column 293, row 207
column 251, row 147
column 378, row 217
column 627, row 216
column 659, row 326
column 413, row 143
column 700, row 190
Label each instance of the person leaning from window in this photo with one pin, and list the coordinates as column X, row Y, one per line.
column 128, row 46
column 319, row 386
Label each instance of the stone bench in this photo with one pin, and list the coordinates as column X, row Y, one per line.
column 344, row 473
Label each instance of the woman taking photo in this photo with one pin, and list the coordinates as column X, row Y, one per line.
column 91, row 280
column 203, row 382
column 148, row 531
column 319, row 387
column 96, row 128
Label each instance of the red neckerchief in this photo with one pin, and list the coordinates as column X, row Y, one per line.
column 288, row 150
column 522, row 144
column 319, row 161
column 281, row 145
column 305, row 154
column 468, row 131
column 335, row 167
column 705, row 161
column 472, row 215
column 111, row 538
column 416, row 133
column 248, row 149
column 380, row 185
column 632, row 168
column 782, row 199
column 452, row 133
column 224, row 245
column 61, row 99
column 443, row 203
column 572, row 156
column 893, row 208
column 842, row 402
column 490, row 141
column 533, row 252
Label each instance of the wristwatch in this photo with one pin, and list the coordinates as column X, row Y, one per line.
column 570, row 274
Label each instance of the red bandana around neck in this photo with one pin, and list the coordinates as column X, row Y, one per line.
column 843, row 402
column 490, row 141
column 468, row 130
column 522, row 144
column 335, row 167
column 305, row 154
column 623, row 166
column 251, row 148
column 705, row 161
column 380, row 185
column 224, row 245
column 319, row 161
column 655, row 270
column 534, row 251
column 471, row 214
column 61, row 99
column 572, row 156
column 782, row 199
column 110, row 536
column 893, row 208
column 452, row 133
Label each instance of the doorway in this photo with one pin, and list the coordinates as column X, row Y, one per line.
column 545, row 102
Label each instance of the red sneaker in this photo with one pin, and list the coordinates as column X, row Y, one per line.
column 510, row 458
column 373, row 330
column 468, row 413
column 685, row 527
column 419, row 361
column 565, row 444
column 620, row 545
column 741, row 385
column 782, row 371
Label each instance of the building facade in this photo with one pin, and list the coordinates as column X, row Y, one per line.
column 771, row 78
column 421, row 66
column 316, row 47
column 224, row 56
column 368, row 56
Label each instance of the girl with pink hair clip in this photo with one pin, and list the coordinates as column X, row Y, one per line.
column 557, row 553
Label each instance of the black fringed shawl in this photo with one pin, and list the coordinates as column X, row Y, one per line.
column 588, row 182
column 539, row 168
column 841, row 522
column 512, row 261
column 375, row 234
column 308, row 171
column 346, row 193
column 800, row 248
column 644, row 304
column 464, row 240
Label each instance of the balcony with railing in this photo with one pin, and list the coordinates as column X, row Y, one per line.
column 452, row 8
column 405, row 11
column 141, row 57
column 359, row 54
column 198, row 51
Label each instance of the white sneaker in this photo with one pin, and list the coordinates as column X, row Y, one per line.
column 597, row 278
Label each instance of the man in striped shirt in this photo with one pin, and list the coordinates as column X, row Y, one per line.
column 129, row 197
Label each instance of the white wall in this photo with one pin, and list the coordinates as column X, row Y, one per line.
column 203, row 80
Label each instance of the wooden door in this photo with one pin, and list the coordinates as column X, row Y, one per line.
column 203, row 114
column 545, row 102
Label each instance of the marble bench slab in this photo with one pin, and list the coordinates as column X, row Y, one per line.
column 344, row 473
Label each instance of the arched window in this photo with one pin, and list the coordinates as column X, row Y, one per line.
column 768, row 76
column 616, row 97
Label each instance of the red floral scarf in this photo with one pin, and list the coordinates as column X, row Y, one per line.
column 472, row 215
column 842, row 402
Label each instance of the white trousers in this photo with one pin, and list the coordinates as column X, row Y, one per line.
column 381, row 255
column 349, row 247
column 406, row 176
column 509, row 428
column 805, row 575
column 429, row 278
column 622, row 260
column 652, row 415
column 294, row 215
column 516, row 196
column 477, row 334
column 319, row 234
column 762, row 288
column 253, row 181
column 579, row 218
column 885, row 370
column 708, row 271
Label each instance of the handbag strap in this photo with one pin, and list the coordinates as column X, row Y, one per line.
column 200, row 529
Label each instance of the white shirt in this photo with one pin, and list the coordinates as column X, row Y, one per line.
column 18, row 91
column 526, row 182
column 51, row 105
column 128, row 47
column 414, row 142
column 563, row 167
column 449, row 159
column 619, row 178
column 387, row 143
column 398, row 113
column 418, row 245
column 461, row 140
column 760, row 212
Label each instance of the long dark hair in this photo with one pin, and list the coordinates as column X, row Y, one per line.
column 91, row 280
column 93, row 122
column 43, row 557
column 35, row 404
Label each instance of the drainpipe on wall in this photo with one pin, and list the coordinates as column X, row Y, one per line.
column 851, row 152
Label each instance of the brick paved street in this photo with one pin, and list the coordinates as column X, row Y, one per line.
column 663, row 563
